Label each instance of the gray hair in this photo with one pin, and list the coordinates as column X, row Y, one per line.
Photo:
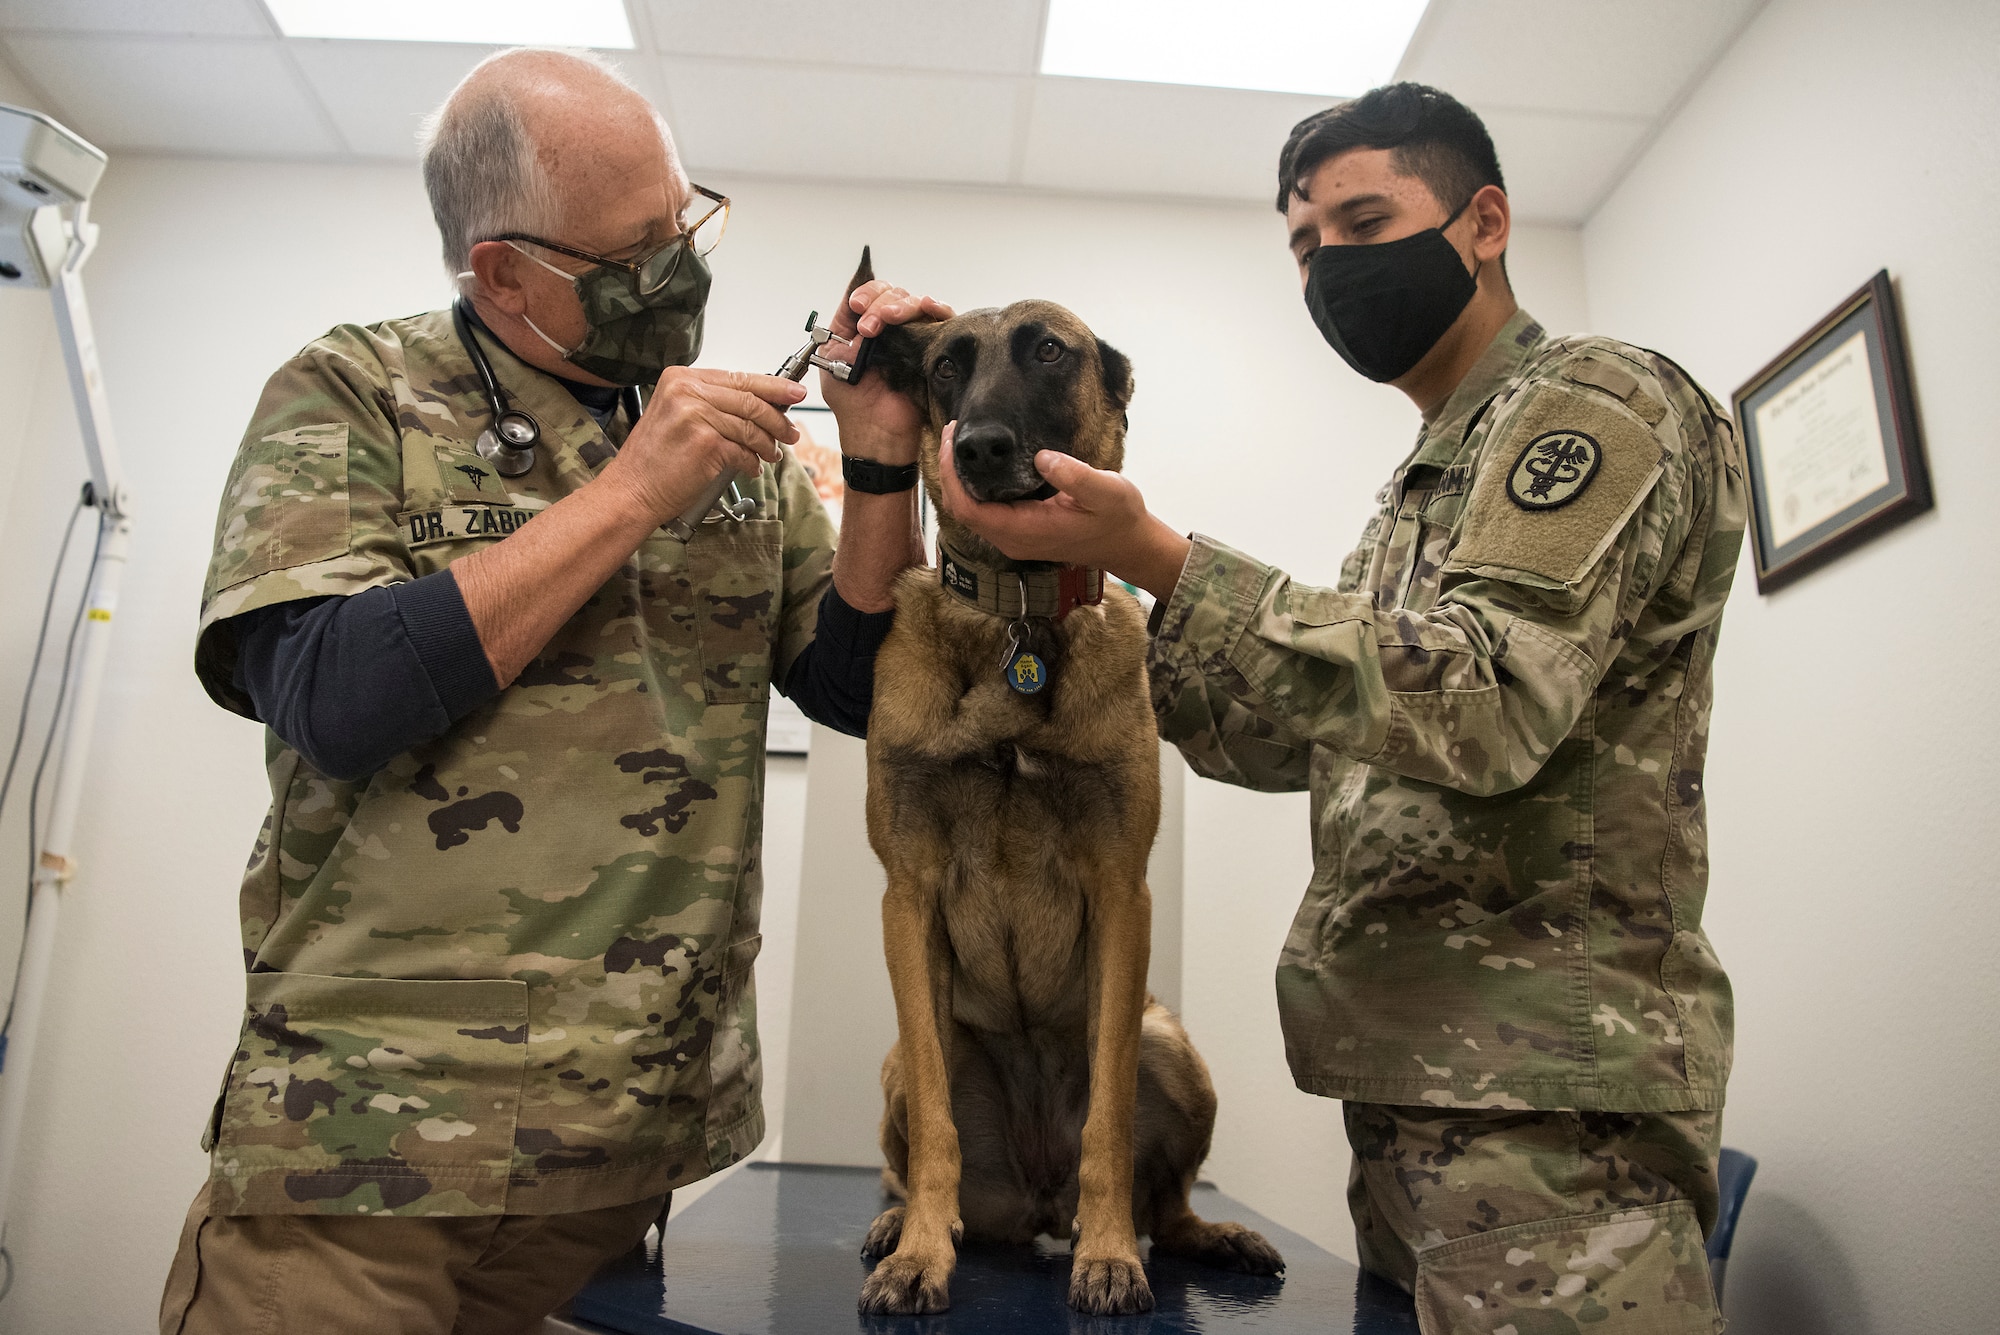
column 481, row 167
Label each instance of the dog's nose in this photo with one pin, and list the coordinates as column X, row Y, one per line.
column 983, row 446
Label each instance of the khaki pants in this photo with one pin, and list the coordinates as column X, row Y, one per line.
column 1533, row 1223
column 304, row 1274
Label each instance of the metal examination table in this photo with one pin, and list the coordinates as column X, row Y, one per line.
column 776, row 1250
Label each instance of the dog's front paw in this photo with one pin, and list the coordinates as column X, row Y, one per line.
column 1109, row 1286
column 907, row 1285
column 883, row 1234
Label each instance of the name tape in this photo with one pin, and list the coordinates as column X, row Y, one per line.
column 453, row 523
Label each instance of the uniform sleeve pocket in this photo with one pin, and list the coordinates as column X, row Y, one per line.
column 737, row 584
column 1563, row 474
column 286, row 506
column 372, row 1095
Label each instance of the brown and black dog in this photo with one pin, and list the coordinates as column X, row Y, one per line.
column 1035, row 1086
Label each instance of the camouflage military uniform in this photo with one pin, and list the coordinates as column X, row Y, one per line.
column 510, row 971
column 1501, row 714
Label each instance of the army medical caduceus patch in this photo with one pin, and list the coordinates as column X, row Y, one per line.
column 1553, row 470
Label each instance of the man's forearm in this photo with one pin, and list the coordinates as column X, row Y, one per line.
column 878, row 541
column 520, row 591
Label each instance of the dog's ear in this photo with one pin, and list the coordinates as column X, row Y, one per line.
column 1117, row 372
column 898, row 351
column 898, row 354
column 863, row 273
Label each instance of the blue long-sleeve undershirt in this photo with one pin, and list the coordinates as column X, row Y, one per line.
column 351, row 682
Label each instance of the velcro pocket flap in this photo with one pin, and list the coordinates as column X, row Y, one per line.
column 1556, row 487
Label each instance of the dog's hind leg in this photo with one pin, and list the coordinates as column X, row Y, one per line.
column 916, row 1277
column 1176, row 1117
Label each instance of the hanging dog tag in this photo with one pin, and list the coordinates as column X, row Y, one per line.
column 1025, row 672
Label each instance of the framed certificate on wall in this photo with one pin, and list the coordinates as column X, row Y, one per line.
column 1830, row 434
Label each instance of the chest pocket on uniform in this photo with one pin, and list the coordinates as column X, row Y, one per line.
column 737, row 578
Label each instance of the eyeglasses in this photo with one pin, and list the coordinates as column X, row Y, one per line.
column 653, row 269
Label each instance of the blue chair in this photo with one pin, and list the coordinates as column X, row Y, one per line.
column 1732, row 1180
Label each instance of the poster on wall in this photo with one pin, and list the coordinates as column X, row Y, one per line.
column 1830, row 434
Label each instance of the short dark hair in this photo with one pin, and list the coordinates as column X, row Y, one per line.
column 1435, row 138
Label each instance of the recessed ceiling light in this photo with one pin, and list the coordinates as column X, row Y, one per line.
column 1332, row 47
column 598, row 23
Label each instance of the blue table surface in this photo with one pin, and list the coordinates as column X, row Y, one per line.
column 776, row 1250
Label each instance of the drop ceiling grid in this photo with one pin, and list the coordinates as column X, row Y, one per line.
column 897, row 91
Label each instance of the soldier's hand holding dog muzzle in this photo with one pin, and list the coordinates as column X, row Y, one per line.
column 1096, row 518
column 699, row 425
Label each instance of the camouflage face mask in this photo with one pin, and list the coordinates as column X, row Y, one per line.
column 635, row 334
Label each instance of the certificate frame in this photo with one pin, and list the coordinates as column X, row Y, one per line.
column 1784, row 555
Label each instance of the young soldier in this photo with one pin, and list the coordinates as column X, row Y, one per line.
column 1501, row 711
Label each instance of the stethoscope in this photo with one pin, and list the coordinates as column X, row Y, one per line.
column 509, row 442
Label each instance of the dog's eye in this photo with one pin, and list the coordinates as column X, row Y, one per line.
column 946, row 369
column 1048, row 350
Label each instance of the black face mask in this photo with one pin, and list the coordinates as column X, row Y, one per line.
column 1384, row 306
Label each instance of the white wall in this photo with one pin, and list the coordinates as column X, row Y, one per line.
column 1852, row 777
column 212, row 273
column 206, row 280
column 1852, row 765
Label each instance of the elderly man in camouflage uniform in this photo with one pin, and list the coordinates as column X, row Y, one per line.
column 500, row 921
column 1501, row 712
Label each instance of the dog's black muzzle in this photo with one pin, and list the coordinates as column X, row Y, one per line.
column 995, row 463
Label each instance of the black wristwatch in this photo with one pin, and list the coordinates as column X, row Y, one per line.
column 877, row 479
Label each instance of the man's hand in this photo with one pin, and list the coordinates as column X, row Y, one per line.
column 1095, row 518
column 698, row 426
column 875, row 421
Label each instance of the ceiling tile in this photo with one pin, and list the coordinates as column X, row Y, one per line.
column 867, row 125
column 1620, row 57
column 1106, row 135
column 974, row 36
column 184, row 95
column 1559, row 166
column 378, row 92
column 193, row 18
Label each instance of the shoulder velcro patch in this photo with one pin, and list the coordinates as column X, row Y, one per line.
column 1619, row 382
column 1556, row 483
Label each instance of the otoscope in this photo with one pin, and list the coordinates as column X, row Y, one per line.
column 738, row 506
